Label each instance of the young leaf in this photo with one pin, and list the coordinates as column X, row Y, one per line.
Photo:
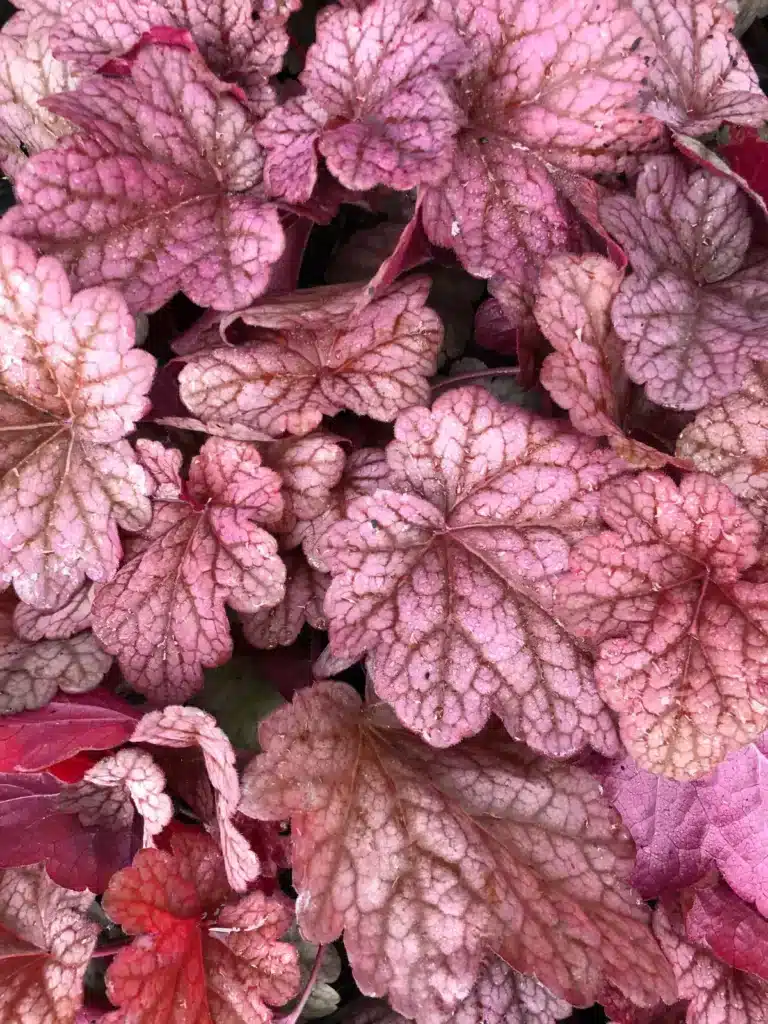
column 729, row 439
column 163, row 615
column 198, row 957
column 683, row 829
column 585, row 374
column 32, row 740
column 377, row 103
column 449, row 855
column 310, row 467
column 305, row 590
column 45, row 945
column 172, row 201
column 700, row 75
column 691, row 320
column 718, row 994
column 523, row 125
column 238, row 43
column 71, row 387
column 29, row 73
column 718, row 920
column 683, row 639
column 180, row 727
column 313, row 356
column 447, row 580
column 133, row 773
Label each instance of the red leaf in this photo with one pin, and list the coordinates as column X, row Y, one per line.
column 71, row 387
column 700, row 75
column 500, row 207
column 683, row 639
column 150, row 152
column 305, row 590
column 163, row 615
column 45, row 945
column 377, row 104
column 313, row 356
column 747, row 155
column 718, row 994
column 717, row 919
column 198, row 959
column 448, row 856
column 447, row 580
column 180, row 727
column 68, row 724
column 237, row 45
column 691, row 319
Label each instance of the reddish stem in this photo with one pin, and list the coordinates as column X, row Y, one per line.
column 293, row 1016
column 467, row 378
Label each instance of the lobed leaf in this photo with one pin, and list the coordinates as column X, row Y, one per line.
column 305, row 590
column 447, row 579
column 718, row 920
column 448, row 856
column 683, row 638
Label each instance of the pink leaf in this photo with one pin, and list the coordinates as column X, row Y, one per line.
column 32, row 624
column 729, row 439
column 683, row 639
column 163, row 615
column 447, row 580
column 682, row 829
column 585, row 373
column 309, row 467
column 71, row 387
column 172, row 201
column 700, row 75
column 718, row 994
column 718, row 920
column 377, row 104
column 313, row 356
column 691, row 319
column 524, row 116
column 236, row 44
column 82, row 833
column 32, row 670
column 180, row 727
column 29, row 73
column 305, row 590
column 134, row 772
column 450, row 855
column 33, row 740
column 197, row 957
column 45, row 945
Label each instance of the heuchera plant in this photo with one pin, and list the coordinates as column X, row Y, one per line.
column 383, row 512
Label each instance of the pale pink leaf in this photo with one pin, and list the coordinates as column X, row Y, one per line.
column 152, row 195
column 305, row 590
column 310, row 468
column 447, row 580
column 46, row 943
column 137, row 774
column 718, row 994
column 180, row 727
column 729, row 439
column 163, row 615
column 700, row 75
column 71, row 386
column 683, row 638
column 449, row 855
column 500, row 208
column 314, row 356
column 73, row 617
column 377, row 104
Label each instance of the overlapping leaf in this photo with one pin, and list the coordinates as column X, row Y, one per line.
column 449, row 855
column 305, row 590
column 237, row 45
column 718, row 920
column 447, row 580
column 314, row 355
column 691, row 320
column 729, row 439
column 163, row 615
column 45, row 945
column 310, row 468
column 198, row 951
column 718, row 994
column 500, row 206
column 180, row 727
column 377, row 103
column 700, row 76
column 683, row 639
column 71, row 387
column 152, row 195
